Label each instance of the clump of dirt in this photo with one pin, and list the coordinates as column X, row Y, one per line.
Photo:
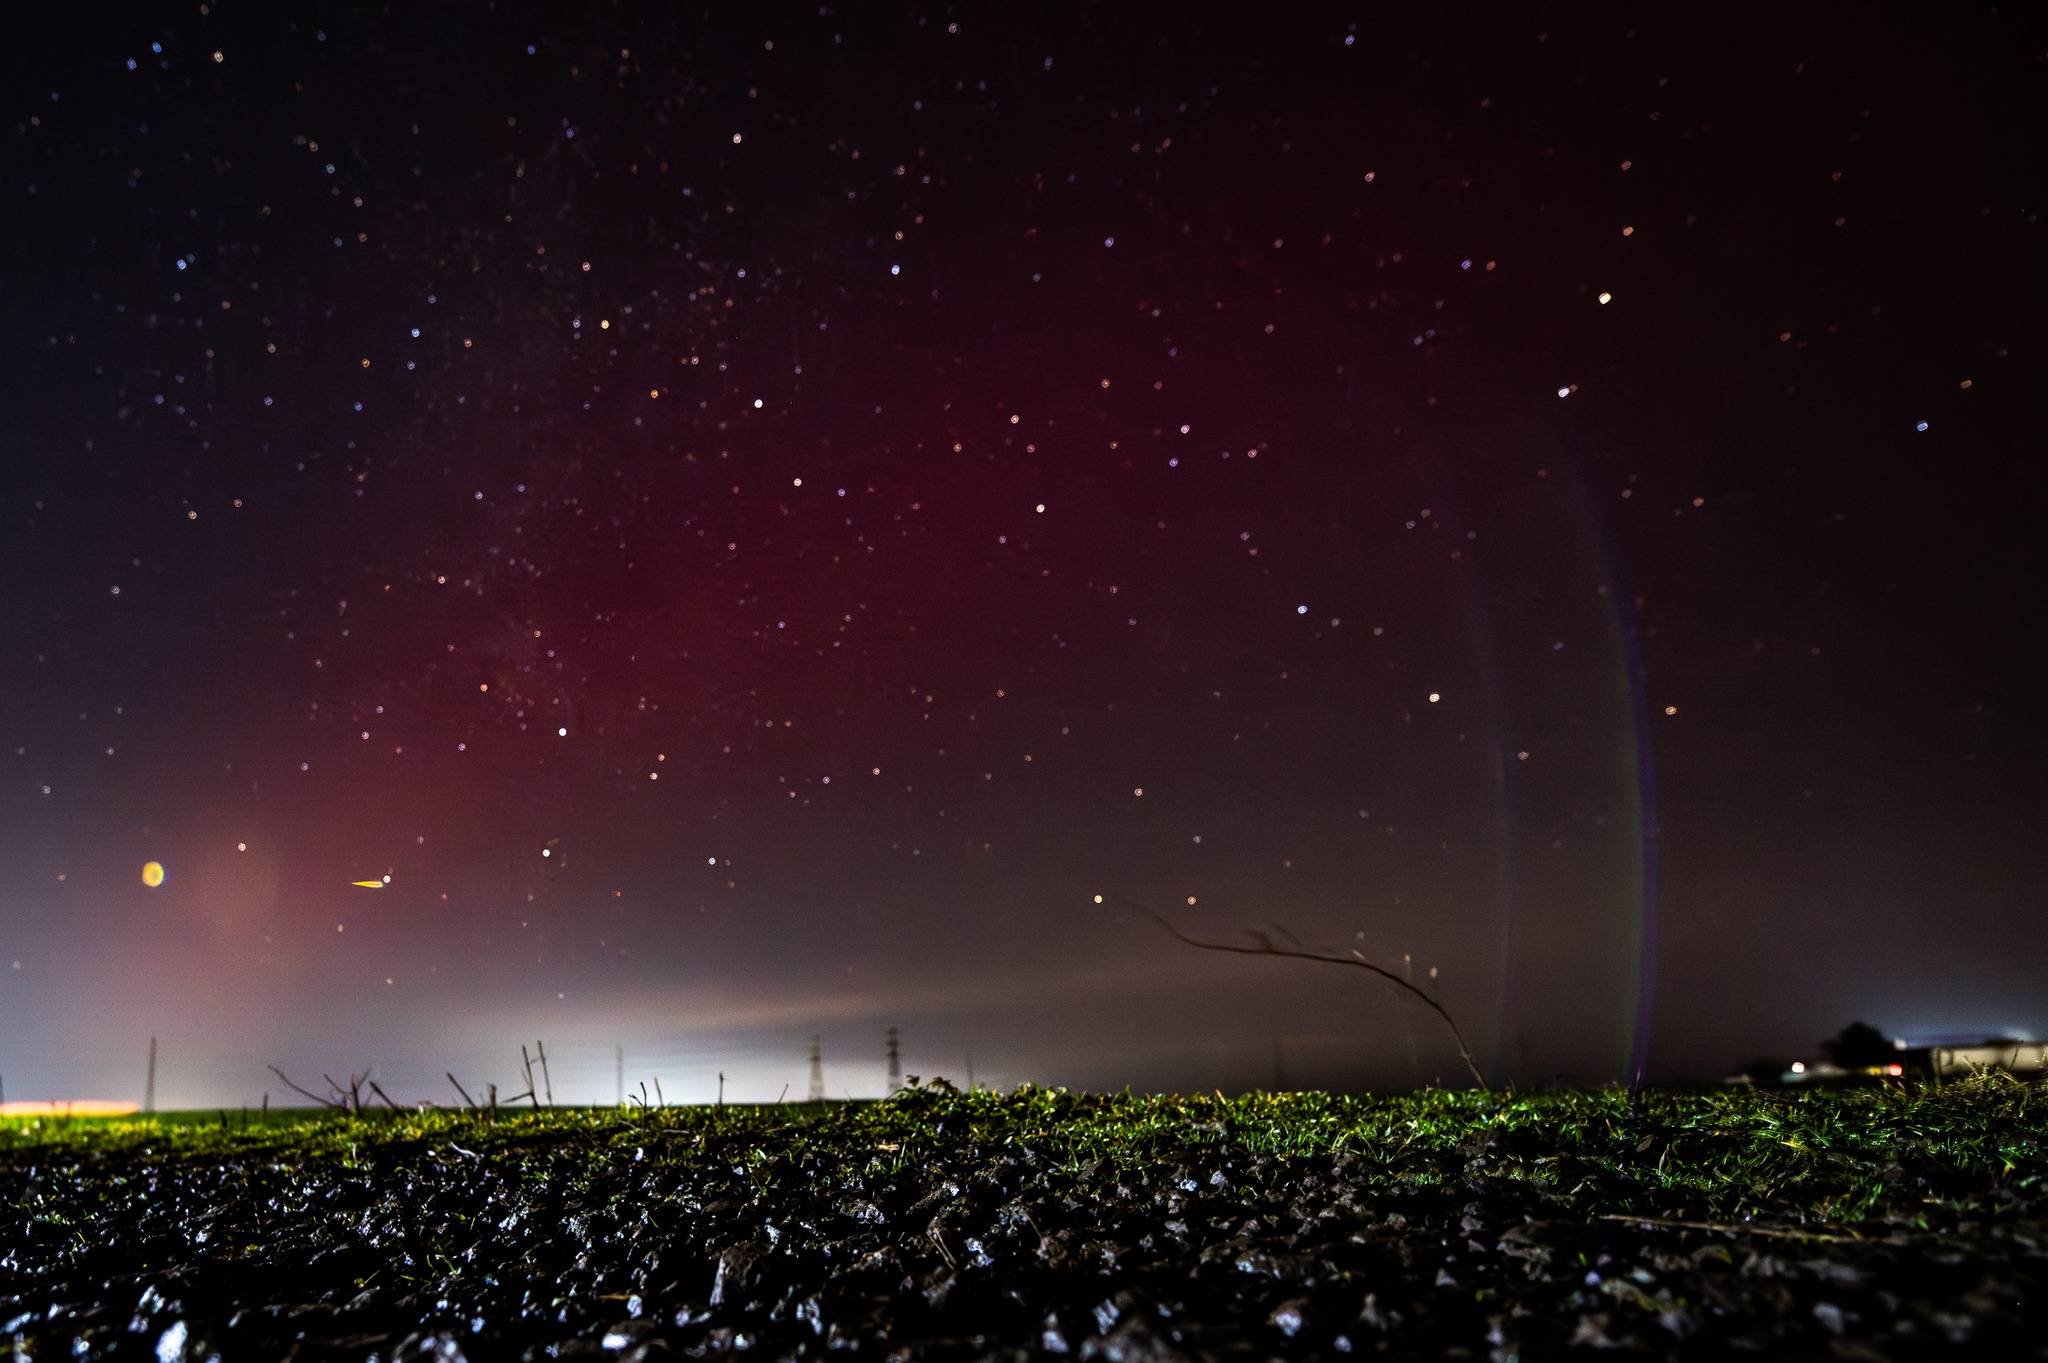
column 942, row 1225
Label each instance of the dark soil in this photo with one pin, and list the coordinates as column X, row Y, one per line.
column 945, row 1226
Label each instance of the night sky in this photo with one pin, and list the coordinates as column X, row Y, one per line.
column 753, row 519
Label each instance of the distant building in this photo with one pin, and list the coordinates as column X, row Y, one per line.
column 1818, row 1072
column 1941, row 1060
column 1932, row 1060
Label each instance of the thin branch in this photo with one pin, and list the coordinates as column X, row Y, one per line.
column 939, row 1239
column 342, row 1095
column 460, row 1089
column 1777, row 1232
column 1356, row 960
column 324, row 1102
column 379, row 1091
column 526, row 1061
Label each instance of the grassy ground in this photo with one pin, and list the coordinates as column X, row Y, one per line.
column 1862, row 1224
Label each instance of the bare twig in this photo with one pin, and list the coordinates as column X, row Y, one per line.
column 1046, row 1248
column 460, row 1089
column 545, row 1082
column 348, row 1099
column 1356, row 960
column 306, row 1093
column 937, row 1238
column 1738, row 1228
column 378, row 1090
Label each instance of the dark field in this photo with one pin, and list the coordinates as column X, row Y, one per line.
column 942, row 1225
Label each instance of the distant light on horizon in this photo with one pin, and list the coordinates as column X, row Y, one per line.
column 69, row 1107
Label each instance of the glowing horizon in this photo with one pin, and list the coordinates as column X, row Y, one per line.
column 73, row 1107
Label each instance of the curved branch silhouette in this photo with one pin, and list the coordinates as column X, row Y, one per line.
column 1355, row 960
column 308, row 1093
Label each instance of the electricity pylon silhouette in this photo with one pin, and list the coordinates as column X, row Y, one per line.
column 895, row 1064
column 817, row 1072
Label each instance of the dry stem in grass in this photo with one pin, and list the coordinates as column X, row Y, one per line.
column 308, row 1093
column 548, row 1085
column 349, row 1100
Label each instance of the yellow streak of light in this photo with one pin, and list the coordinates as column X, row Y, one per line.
column 80, row 1107
column 369, row 884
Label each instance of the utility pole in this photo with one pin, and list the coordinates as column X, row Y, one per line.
column 817, row 1072
column 895, row 1063
column 149, row 1085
